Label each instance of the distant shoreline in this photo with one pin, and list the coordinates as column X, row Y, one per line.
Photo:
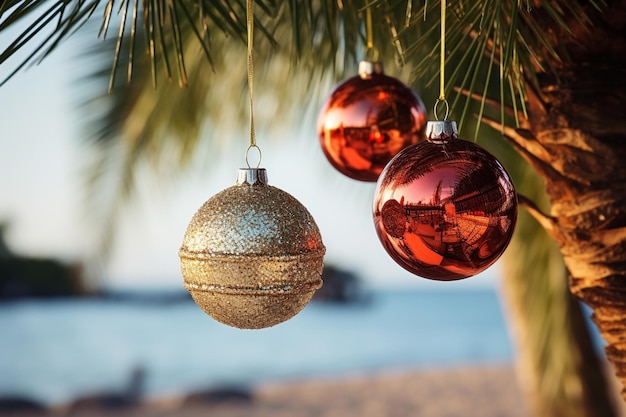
column 90, row 346
column 471, row 391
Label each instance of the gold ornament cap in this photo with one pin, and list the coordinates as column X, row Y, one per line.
column 252, row 255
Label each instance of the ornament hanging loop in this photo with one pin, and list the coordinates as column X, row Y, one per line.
column 372, row 54
column 258, row 164
column 444, row 101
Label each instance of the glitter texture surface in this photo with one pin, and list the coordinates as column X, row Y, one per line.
column 252, row 256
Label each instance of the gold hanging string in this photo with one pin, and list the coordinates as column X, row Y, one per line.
column 250, row 24
column 369, row 29
column 442, row 64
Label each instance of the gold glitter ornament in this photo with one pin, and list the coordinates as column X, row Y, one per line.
column 252, row 255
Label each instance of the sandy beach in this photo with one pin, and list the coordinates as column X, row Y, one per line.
column 485, row 391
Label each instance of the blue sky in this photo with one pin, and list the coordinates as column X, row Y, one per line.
column 42, row 192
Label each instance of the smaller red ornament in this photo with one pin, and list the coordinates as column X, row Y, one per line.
column 367, row 120
column 445, row 209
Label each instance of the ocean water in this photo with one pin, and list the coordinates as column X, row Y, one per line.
column 56, row 351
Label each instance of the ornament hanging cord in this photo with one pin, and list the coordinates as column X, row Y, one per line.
column 370, row 34
column 442, row 65
column 250, row 24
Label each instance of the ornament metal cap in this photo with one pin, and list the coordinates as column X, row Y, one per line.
column 368, row 68
column 251, row 176
column 441, row 131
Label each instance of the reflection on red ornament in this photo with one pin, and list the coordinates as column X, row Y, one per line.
column 445, row 209
column 376, row 136
column 367, row 120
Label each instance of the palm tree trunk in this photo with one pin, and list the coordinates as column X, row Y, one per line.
column 557, row 366
column 576, row 140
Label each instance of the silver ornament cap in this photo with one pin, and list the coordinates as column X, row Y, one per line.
column 369, row 68
column 252, row 176
column 441, row 131
column 252, row 255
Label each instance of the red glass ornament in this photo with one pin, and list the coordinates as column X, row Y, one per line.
column 367, row 120
column 445, row 208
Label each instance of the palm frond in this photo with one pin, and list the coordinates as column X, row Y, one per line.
column 319, row 31
column 495, row 48
column 517, row 41
column 46, row 27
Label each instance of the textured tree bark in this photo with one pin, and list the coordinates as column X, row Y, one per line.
column 557, row 365
column 588, row 222
column 576, row 139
